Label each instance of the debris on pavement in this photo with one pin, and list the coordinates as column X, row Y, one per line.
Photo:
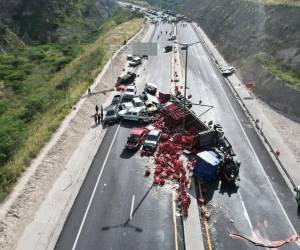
column 208, row 155
column 266, row 243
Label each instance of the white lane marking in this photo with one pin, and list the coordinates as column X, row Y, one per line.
column 245, row 211
column 94, row 191
column 131, row 209
column 252, row 149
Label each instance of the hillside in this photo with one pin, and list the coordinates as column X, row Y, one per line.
column 51, row 20
column 40, row 83
column 260, row 38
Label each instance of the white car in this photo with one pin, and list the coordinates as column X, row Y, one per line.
column 129, row 57
column 130, row 92
column 227, row 71
column 126, row 106
column 135, row 61
column 138, row 103
column 135, row 114
column 152, row 140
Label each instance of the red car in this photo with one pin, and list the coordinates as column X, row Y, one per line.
column 136, row 138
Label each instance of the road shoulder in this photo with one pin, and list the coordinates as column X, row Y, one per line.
column 286, row 162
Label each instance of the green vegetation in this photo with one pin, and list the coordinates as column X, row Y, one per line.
column 39, row 85
column 279, row 69
column 8, row 40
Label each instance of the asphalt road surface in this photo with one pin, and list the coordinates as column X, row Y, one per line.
column 117, row 207
column 260, row 206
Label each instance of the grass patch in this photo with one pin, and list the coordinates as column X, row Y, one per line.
column 279, row 69
column 34, row 83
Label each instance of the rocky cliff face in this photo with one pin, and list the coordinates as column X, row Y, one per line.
column 261, row 38
column 262, row 41
column 39, row 20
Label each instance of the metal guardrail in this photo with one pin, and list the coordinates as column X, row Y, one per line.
column 259, row 132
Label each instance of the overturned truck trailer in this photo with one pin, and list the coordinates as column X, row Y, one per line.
column 204, row 135
column 216, row 157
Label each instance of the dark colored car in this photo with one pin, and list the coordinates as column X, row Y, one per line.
column 111, row 115
column 136, row 138
column 128, row 78
column 117, row 99
column 168, row 48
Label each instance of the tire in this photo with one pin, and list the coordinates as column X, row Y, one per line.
column 140, row 121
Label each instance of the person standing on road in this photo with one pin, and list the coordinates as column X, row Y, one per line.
column 99, row 118
column 96, row 108
column 96, row 118
column 101, row 113
column 297, row 197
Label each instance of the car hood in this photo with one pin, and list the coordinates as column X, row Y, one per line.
column 150, row 143
column 122, row 112
column 109, row 117
column 132, row 144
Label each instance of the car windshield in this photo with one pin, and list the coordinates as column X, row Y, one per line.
column 133, row 138
column 151, row 138
column 110, row 112
column 139, row 104
column 115, row 100
column 129, row 90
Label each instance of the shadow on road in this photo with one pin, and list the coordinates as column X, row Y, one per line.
column 126, row 154
column 137, row 229
column 127, row 222
column 210, row 189
column 229, row 188
column 129, row 124
column 98, row 92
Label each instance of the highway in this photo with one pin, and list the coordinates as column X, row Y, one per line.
column 115, row 189
column 118, row 208
column 261, row 206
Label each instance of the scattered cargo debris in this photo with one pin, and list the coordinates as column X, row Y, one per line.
column 210, row 154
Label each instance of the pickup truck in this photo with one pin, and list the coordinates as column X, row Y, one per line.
column 136, row 115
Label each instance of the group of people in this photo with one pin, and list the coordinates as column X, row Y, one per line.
column 98, row 116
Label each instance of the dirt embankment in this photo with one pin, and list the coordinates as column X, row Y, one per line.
column 243, row 30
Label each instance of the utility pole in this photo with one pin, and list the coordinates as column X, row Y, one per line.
column 186, row 48
column 185, row 82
